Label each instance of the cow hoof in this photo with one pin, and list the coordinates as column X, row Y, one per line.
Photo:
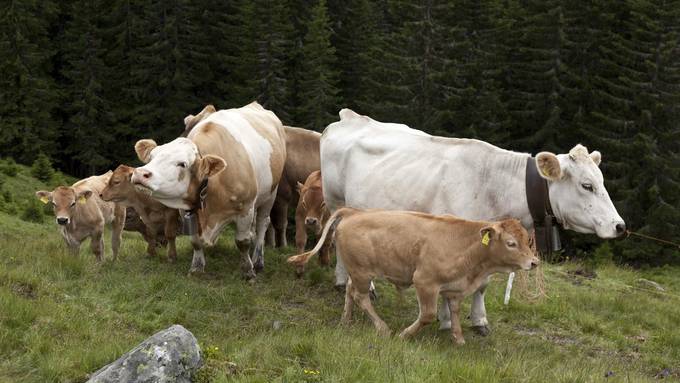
column 249, row 276
column 258, row 265
column 340, row 288
column 195, row 271
column 445, row 325
column 481, row 330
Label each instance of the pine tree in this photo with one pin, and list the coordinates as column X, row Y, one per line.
column 318, row 91
column 87, row 128
column 28, row 93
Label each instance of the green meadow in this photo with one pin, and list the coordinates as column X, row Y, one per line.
column 62, row 317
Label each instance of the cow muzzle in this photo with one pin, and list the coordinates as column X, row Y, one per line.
column 313, row 224
column 63, row 220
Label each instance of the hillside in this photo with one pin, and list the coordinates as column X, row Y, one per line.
column 62, row 317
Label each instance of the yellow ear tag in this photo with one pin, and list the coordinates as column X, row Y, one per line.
column 44, row 199
column 82, row 199
column 485, row 239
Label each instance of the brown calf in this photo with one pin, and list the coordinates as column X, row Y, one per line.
column 159, row 219
column 437, row 254
column 311, row 214
column 80, row 214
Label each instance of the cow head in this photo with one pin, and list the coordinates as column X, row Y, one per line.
column 119, row 188
column 174, row 171
column 508, row 242
column 577, row 193
column 311, row 198
column 64, row 201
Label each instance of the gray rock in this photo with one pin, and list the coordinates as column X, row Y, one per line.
column 171, row 355
column 649, row 283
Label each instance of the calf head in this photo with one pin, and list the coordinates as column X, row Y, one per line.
column 508, row 243
column 120, row 187
column 64, row 200
column 577, row 193
column 174, row 171
column 311, row 198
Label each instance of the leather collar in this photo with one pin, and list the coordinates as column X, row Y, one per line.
column 538, row 199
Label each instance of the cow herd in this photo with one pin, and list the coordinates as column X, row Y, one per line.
column 440, row 214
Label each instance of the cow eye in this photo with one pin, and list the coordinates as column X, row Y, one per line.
column 73, row 203
column 181, row 164
column 587, row 186
column 511, row 243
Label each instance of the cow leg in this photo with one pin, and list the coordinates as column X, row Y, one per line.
column 270, row 238
column 151, row 234
column 349, row 304
column 444, row 315
column 97, row 245
column 279, row 222
column 360, row 295
column 427, row 303
column 170, row 231
column 300, row 230
column 117, row 229
column 456, row 330
column 478, row 311
column 341, row 275
column 261, row 224
column 243, row 238
column 198, row 260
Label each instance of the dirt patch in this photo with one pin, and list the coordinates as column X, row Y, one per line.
column 24, row 290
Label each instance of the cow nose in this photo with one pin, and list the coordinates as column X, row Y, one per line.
column 620, row 228
column 311, row 221
column 146, row 174
column 62, row 220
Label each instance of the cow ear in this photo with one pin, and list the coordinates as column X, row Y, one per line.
column 83, row 195
column 548, row 166
column 299, row 187
column 210, row 165
column 596, row 157
column 144, row 148
column 487, row 233
column 44, row 196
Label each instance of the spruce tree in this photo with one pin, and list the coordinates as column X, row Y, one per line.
column 318, row 91
column 28, row 93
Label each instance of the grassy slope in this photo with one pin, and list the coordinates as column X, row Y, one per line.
column 62, row 317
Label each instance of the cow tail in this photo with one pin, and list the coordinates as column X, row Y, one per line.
column 299, row 261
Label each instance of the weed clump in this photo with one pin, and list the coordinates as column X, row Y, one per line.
column 33, row 212
column 9, row 167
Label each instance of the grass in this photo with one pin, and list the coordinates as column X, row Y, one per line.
column 62, row 317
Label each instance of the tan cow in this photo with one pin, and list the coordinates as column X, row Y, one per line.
column 302, row 147
column 158, row 219
column 311, row 214
column 80, row 214
column 437, row 254
column 226, row 170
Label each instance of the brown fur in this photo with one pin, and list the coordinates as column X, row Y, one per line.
column 311, row 207
column 437, row 254
column 302, row 158
column 86, row 218
column 159, row 219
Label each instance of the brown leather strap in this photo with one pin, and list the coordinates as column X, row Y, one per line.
column 541, row 212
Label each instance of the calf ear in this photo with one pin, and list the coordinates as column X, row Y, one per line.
column 487, row 233
column 210, row 165
column 44, row 196
column 548, row 166
column 596, row 157
column 299, row 187
column 144, row 148
column 82, row 196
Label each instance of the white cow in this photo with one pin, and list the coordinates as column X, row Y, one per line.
column 370, row 164
column 227, row 169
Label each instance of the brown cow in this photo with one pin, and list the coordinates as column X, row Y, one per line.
column 437, row 254
column 311, row 214
column 302, row 147
column 159, row 219
column 80, row 214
